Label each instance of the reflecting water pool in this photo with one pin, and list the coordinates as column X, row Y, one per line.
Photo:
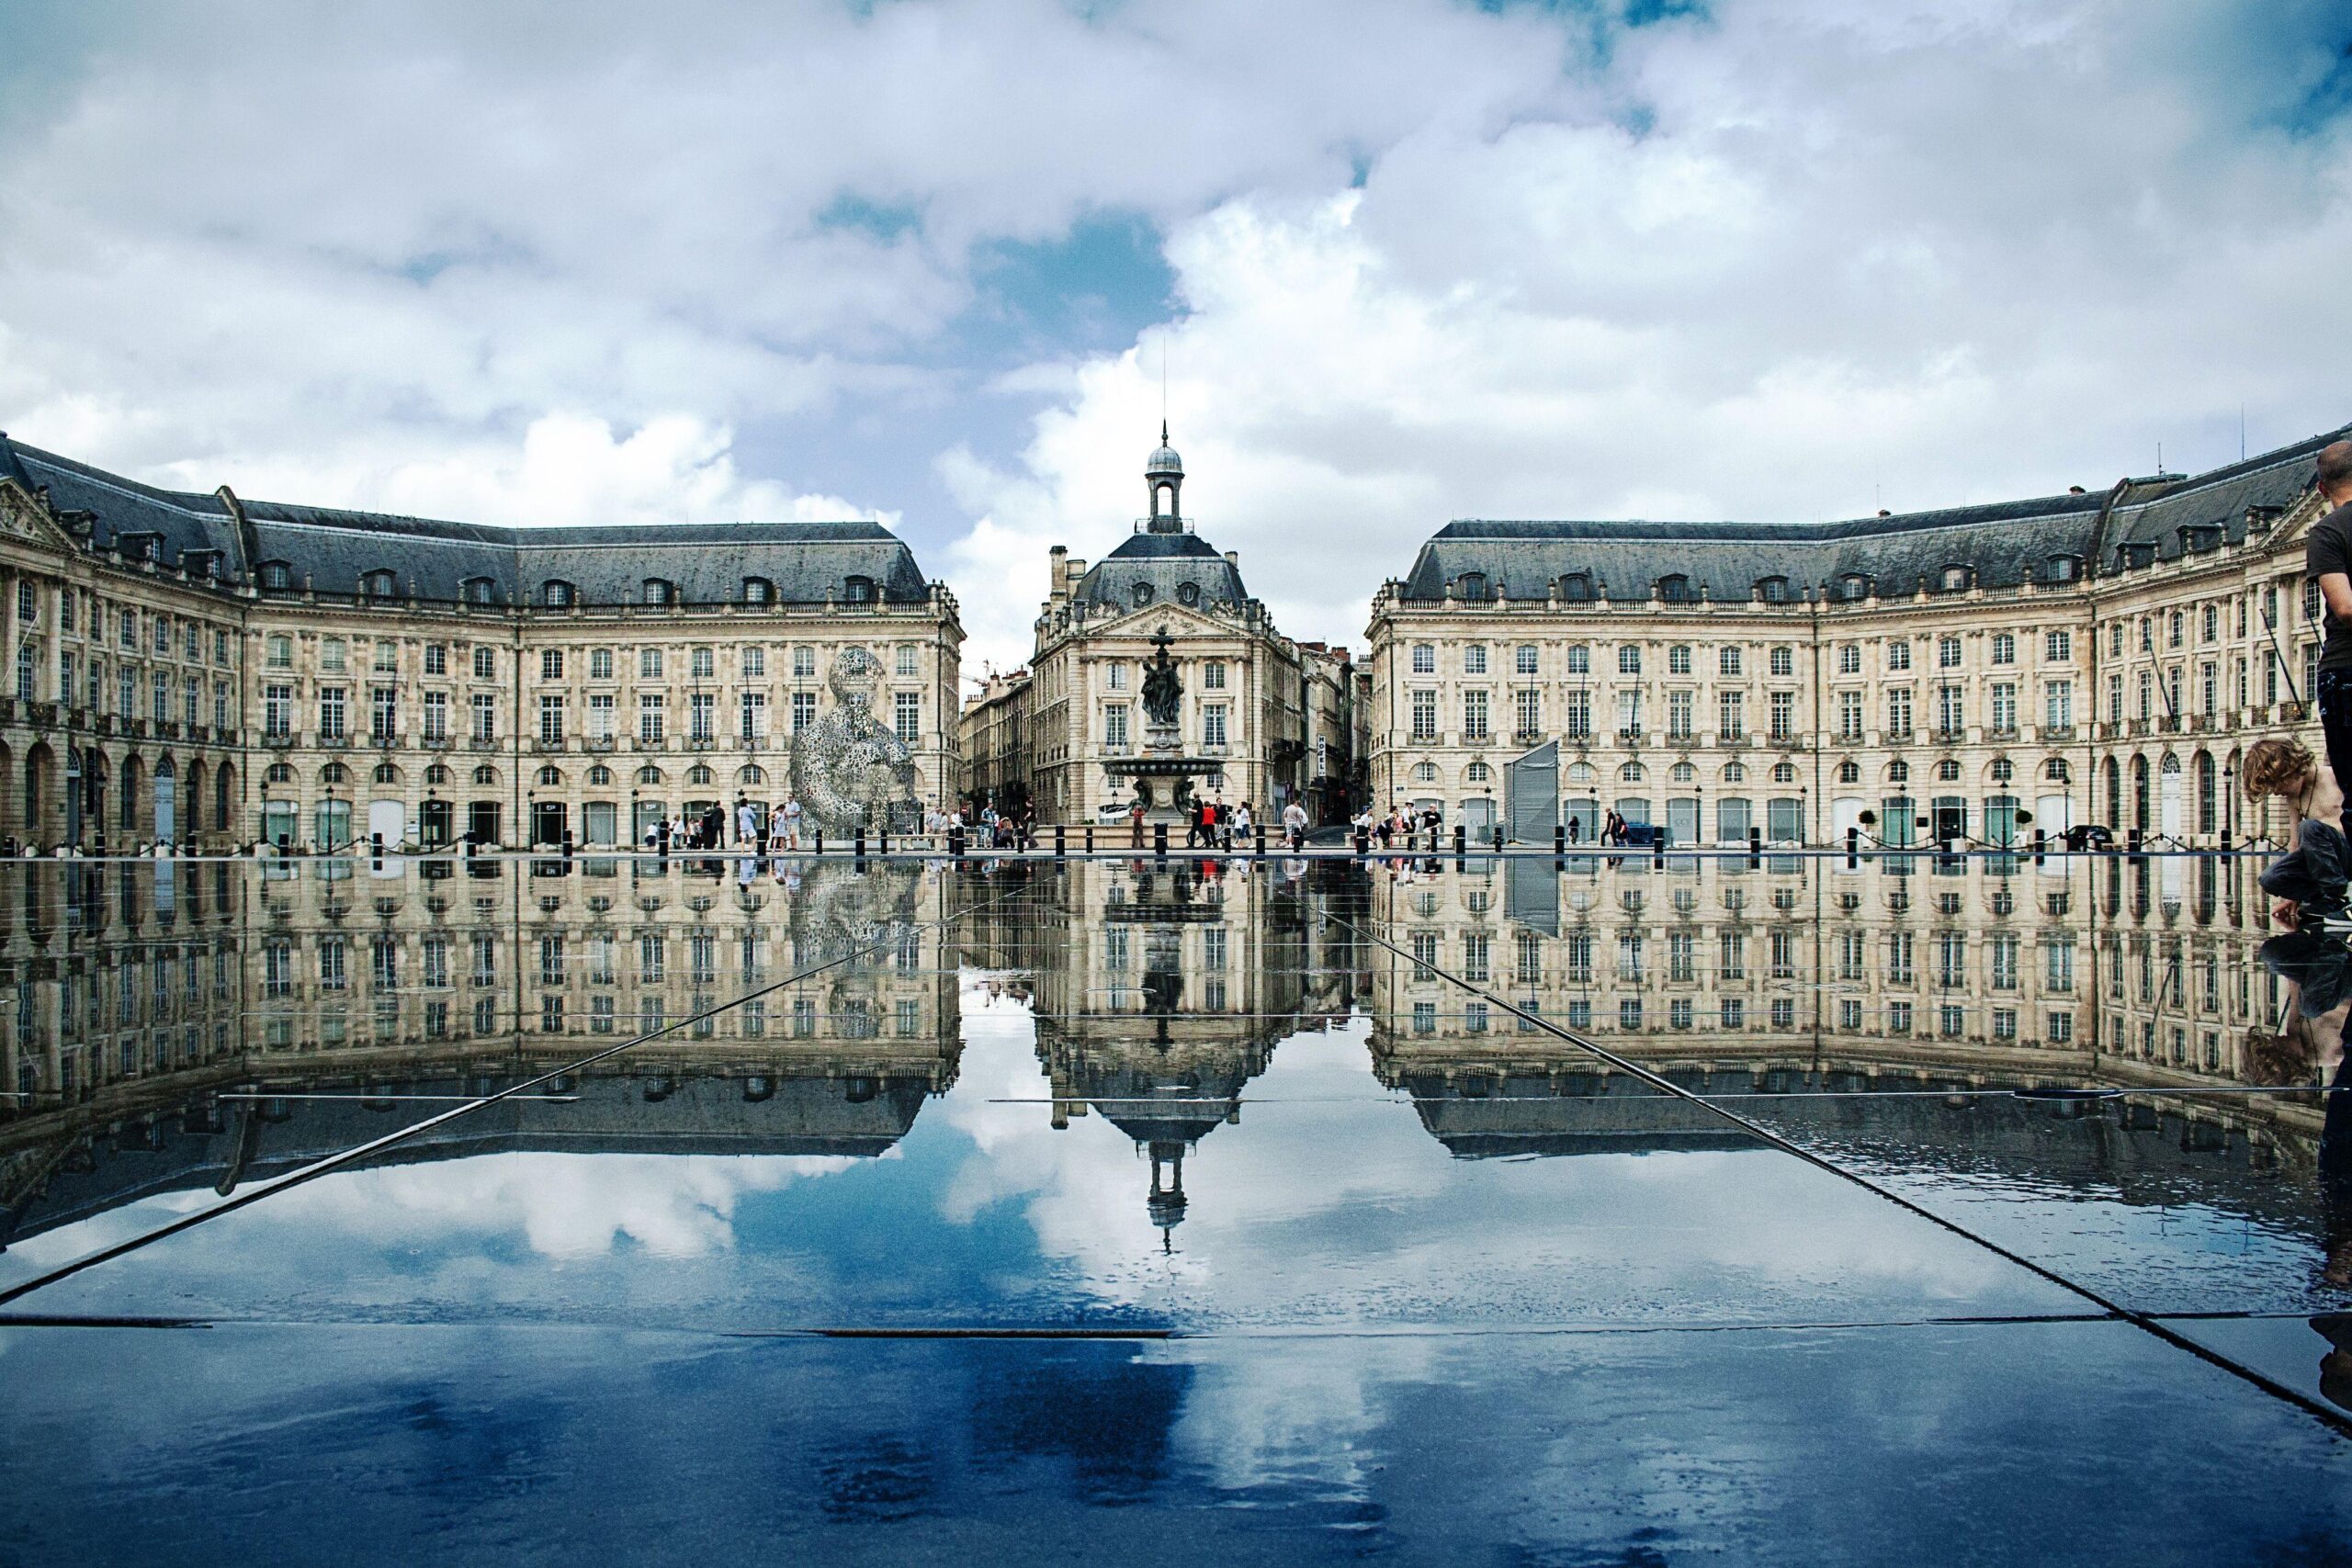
column 1793, row 1208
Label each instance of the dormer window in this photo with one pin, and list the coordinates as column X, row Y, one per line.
column 204, row 564
column 1674, row 588
column 138, row 547
column 557, row 595
column 379, row 585
column 1954, row 579
column 1577, row 586
column 858, row 589
column 1473, row 585
column 1143, row 594
column 1853, row 588
column 2134, row 555
column 480, row 591
column 1188, row 593
column 1773, row 589
column 658, row 591
column 2061, row 569
column 2197, row 538
column 758, row 591
column 277, row 574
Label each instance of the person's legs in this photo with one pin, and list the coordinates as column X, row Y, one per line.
column 2333, row 699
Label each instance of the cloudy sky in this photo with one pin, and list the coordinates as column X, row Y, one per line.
column 1401, row 261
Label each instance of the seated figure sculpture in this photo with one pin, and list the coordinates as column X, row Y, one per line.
column 849, row 769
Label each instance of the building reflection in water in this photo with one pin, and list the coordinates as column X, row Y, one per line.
column 210, row 1023
column 148, row 999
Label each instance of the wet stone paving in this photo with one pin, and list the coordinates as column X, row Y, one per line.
column 1513, row 1210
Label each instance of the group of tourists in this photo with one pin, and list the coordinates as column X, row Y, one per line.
column 757, row 827
column 1401, row 825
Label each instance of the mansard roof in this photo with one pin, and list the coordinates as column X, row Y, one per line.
column 1166, row 562
column 331, row 549
column 1998, row 544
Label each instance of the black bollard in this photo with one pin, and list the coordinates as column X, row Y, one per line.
column 861, row 844
column 1061, row 846
column 2040, row 843
column 1364, row 842
column 1090, row 838
column 886, row 839
column 1159, row 840
column 820, row 841
column 568, row 848
column 1559, row 839
column 956, row 842
column 1461, row 838
column 1261, row 838
column 1853, row 847
column 1755, row 848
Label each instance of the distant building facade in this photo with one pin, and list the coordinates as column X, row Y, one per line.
column 1243, row 701
column 199, row 669
column 1969, row 674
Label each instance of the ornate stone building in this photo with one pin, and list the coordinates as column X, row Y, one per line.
column 203, row 668
column 2074, row 658
column 1243, row 688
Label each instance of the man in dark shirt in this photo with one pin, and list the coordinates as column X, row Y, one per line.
column 2327, row 560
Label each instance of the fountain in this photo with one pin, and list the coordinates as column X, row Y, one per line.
column 1163, row 750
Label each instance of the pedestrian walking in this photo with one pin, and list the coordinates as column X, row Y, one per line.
column 2327, row 560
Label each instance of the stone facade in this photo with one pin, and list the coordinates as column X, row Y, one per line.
column 321, row 676
column 1970, row 674
column 1244, row 692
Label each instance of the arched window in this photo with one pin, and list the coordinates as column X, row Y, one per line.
column 2061, row 569
column 1630, row 773
column 1784, row 772
column 2056, row 770
column 648, row 774
column 1681, row 772
column 1849, row 772
column 600, row 776
column 1674, row 588
column 280, row 772
column 1577, row 585
column 436, row 775
column 657, row 591
column 485, row 774
column 334, row 773
column 699, row 773
column 277, row 575
column 386, row 773
column 556, row 594
column 550, row 777
column 1947, row 771
column 858, row 589
column 1424, row 772
column 381, row 583
column 2002, row 771
column 751, row 773
column 481, row 590
column 758, row 591
column 1954, row 579
column 1142, row 594
column 2140, row 793
column 1898, row 773
column 1734, row 772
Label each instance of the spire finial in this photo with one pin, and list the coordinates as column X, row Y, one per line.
column 1163, row 429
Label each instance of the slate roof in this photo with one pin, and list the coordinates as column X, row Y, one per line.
column 331, row 549
column 1167, row 561
column 2001, row 544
